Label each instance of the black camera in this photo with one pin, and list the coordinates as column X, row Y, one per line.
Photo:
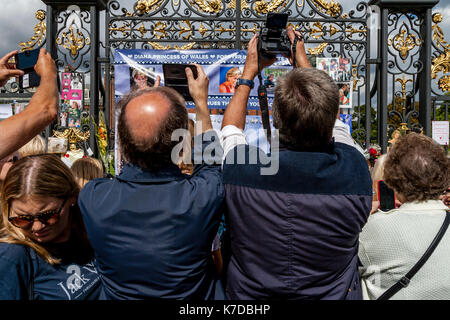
column 273, row 39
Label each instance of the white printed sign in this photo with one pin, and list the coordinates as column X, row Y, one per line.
column 440, row 131
column 5, row 111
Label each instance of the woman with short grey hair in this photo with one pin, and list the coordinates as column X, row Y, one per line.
column 392, row 242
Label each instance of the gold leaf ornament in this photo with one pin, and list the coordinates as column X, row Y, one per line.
column 404, row 42
column 263, row 7
column 158, row 46
column 40, row 15
column 331, row 8
column 145, row 6
column 319, row 49
column 444, row 83
column 40, row 31
column 438, row 35
column 244, row 5
column 212, row 6
column 440, row 64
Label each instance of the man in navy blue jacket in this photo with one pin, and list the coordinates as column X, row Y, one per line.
column 152, row 227
column 295, row 216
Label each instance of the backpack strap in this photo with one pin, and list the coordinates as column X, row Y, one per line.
column 404, row 281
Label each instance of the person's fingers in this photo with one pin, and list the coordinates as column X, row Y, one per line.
column 200, row 70
column 42, row 52
column 298, row 34
column 13, row 72
column 10, row 65
column 253, row 42
column 157, row 81
column 189, row 74
column 7, row 56
column 290, row 33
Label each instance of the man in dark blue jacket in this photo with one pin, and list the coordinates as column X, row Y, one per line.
column 296, row 215
column 152, row 227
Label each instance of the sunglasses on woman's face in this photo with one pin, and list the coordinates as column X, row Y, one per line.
column 26, row 221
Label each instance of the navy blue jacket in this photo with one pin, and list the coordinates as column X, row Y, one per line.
column 294, row 235
column 152, row 232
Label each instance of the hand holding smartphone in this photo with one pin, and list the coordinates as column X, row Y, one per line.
column 26, row 61
column 175, row 77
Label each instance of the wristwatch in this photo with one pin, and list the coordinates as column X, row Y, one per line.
column 246, row 82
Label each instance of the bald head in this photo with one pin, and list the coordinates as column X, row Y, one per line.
column 146, row 122
column 145, row 114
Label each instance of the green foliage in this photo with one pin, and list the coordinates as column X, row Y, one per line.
column 440, row 112
column 360, row 113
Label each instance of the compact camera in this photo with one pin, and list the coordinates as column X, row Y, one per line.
column 273, row 39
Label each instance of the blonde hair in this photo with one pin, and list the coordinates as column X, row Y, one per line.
column 378, row 173
column 86, row 169
column 34, row 146
column 233, row 72
column 39, row 176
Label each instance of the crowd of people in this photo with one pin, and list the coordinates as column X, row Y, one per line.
column 211, row 225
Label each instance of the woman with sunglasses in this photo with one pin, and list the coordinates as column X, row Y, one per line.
column 44, row 251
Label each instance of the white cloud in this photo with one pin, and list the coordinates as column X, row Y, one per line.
column 445, row 24
column 17, row 20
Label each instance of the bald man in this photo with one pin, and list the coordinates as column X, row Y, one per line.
column 151, row 227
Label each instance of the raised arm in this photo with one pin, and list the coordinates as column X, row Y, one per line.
column 237, row 108
column 17, row 130
column 300, row 53
column 198, row 88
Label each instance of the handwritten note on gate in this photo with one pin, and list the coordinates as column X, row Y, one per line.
column 440, row 130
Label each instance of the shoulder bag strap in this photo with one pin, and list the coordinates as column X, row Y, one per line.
column 31, row 281
column 404, row 282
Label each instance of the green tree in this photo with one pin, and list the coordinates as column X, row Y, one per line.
column 359, row 133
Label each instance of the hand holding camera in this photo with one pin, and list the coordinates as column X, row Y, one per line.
column 45, row 66
column 301, row 60
column 275, row 39
column 198, row 84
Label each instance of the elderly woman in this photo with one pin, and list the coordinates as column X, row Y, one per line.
column 44, row 251
column 392, row 242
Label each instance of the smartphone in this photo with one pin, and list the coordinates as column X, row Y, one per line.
column 26, row 61
column 175, row 77
column 386, row 196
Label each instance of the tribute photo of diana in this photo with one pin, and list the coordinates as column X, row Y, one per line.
column 142, row 80
column 345, row 94
column 228, row 78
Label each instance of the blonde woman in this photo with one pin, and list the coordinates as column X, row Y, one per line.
column 395, row 136
column 86, row 169
column 44, row 251
column 230, row 80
